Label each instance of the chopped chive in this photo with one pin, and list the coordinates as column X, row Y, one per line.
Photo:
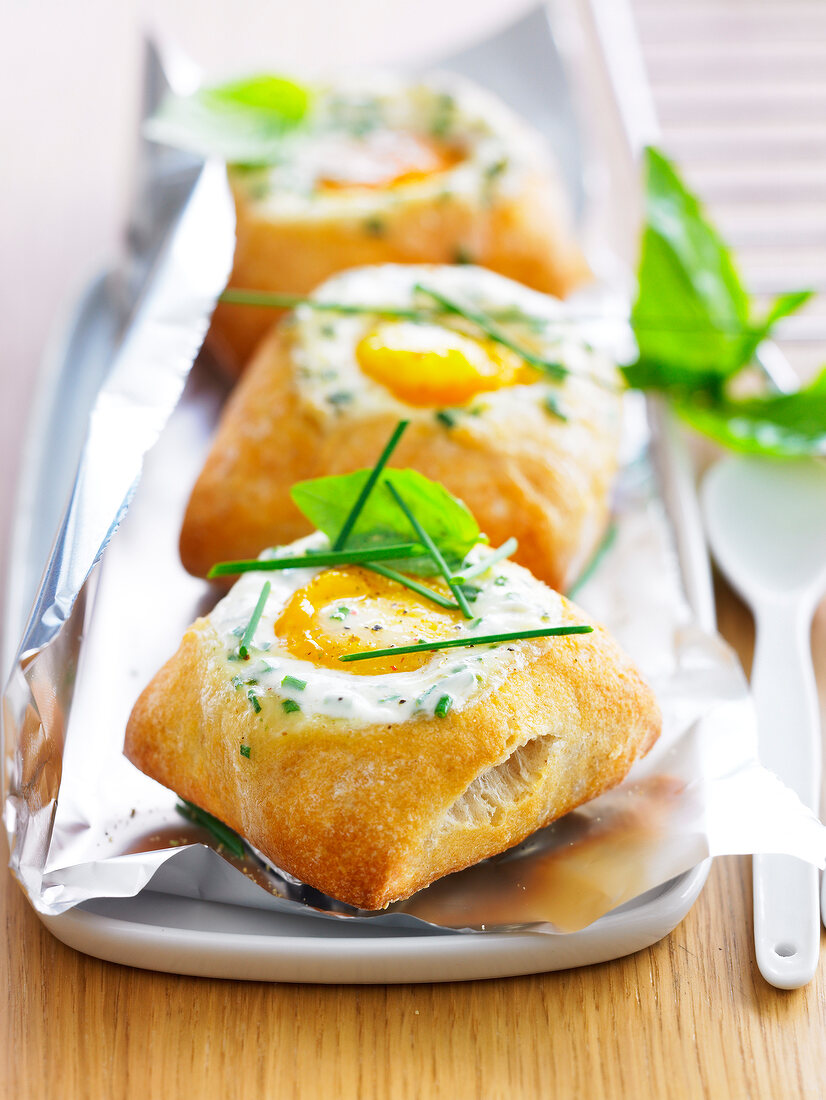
column 293, row 682
column 491, row 329
column 290, row 706
column 508, row 547
column 484, row 639
column 552, row 406
column 433, row 550
column 340, row 397
column 253, row 698
column 328, row 557
column 220, row 832
column 414, row 586
column 591, row 567
column 243, row 648
column 471, row 592
column 245, row 751
column 443, row 706
column 446, row 418
column 375, row 227
column 367, row 488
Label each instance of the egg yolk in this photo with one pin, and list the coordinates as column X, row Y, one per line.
column 351, row 610
column 386, row 158
column 428, row 365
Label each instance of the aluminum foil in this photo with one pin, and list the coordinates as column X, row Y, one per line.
column 83, row 823
column 88, row 824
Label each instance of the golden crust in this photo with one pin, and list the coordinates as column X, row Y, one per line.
column 525, row 236
column 373, row 814
column 543, row 481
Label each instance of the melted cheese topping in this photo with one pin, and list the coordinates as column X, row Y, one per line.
column 296, row 645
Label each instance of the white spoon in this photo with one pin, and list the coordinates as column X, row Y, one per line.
column 766, row 523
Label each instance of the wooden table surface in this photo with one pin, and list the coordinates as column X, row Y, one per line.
column 688, row 1017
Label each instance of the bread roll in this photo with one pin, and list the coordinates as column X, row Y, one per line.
column 364, row 783
column 388, row 170
column 531, row 456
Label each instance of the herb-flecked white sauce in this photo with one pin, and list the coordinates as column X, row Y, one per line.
column 510, row 599
column 358, row 112
column 332, row 384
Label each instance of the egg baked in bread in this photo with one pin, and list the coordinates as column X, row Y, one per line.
column 388, row 169
column 527, row 437
column 369, row 729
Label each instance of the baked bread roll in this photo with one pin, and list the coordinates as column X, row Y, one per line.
column 369, row 780
column 532, row 455
column 385, row 169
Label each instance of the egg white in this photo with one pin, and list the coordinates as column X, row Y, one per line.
column 520, row 603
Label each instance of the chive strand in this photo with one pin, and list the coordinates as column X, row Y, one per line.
column 243, row 648
column 433, row 550
column 369, row 484
column 331, row 557
column 596, row 559
column 484, row 564
column 484, row 639
column 414, row 586
column 491, row 329
column 236, row 296
column 219, row 831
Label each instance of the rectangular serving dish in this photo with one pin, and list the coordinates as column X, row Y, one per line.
column 163, row 931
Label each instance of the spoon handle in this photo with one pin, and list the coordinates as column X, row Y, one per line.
column 786, row 911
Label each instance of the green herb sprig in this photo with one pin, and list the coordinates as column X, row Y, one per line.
column 353, row 556
column 327, row 502
column 238, row 296
column 491, row 329
column 697, row 330
column 369, row 484
column 270, row 299
column 454, row 643
column 508, row 547
column 255, row 619
column 432, row 549
column 596, row 559
column 242, row 122
column 220, row 832
column 414, row 586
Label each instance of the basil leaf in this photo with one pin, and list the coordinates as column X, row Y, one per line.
column 242, row 122
column 783, row 425
column 691, row 315
column 782, row 306
column 327, row 502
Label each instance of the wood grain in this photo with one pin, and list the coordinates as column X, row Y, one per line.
column 689, row 1017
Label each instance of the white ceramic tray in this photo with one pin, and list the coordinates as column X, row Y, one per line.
column 163, row 932
column 172, row 933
